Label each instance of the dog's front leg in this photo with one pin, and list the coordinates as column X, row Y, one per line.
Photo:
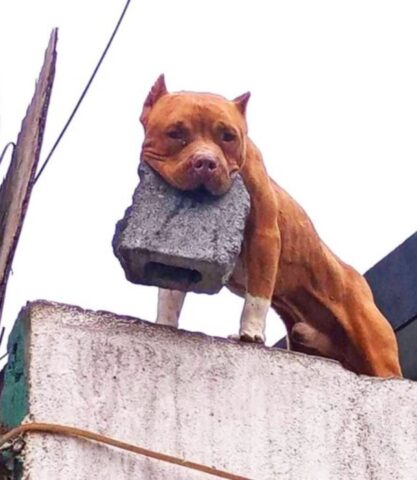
column 252, row 321
column 261, row 247
column 170, row 303
column 261, row 254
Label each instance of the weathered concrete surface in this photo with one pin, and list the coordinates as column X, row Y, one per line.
column 180, row 240
column 262, row 413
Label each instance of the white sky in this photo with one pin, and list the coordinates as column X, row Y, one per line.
column 333, row 109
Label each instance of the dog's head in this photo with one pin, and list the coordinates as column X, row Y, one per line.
column 194, row 140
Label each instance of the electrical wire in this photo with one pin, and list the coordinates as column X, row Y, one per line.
column 84, row 92
column 3, row 153
column 98, row 437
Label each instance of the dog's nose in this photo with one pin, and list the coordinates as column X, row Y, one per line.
column 203, row 164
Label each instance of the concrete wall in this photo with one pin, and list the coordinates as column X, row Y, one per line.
column 262, row 413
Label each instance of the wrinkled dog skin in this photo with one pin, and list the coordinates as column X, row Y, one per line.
column 199, row 140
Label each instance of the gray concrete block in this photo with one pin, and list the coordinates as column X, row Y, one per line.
column 180, row 240
column 262, row 413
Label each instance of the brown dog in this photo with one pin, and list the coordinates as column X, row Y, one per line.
column 199, row 140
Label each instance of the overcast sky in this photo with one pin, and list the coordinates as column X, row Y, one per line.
column 333, row 109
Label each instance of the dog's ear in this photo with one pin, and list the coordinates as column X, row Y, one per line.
column 157, row 91
column 241, row 102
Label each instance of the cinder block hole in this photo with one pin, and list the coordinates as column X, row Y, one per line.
column 159, row 271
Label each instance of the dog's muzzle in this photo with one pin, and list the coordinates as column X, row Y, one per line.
column 204, row 167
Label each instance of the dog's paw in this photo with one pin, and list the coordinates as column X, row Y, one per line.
column 249, row 337
column 252, row 337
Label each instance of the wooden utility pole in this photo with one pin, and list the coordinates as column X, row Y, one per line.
column 17, row 186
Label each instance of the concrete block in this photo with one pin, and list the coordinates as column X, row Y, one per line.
column 263, row 413
column 180, row 240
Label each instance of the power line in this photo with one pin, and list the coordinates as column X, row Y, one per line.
column 3, row 153
column 84, row 92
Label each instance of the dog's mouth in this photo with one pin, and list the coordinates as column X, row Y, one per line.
column 195, row 185
column 200, row 194
column 215, row 187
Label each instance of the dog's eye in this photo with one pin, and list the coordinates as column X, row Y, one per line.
column 227, row 136
column 176, row 134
